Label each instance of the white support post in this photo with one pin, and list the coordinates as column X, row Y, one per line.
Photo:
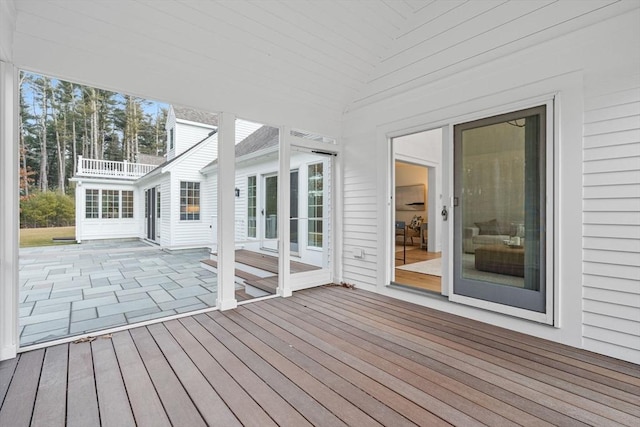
column 226, row 211
column 79, row 165
column 9, row 219
column 284, row 209
column 81, row 210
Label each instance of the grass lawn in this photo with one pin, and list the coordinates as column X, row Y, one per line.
column 30, row 237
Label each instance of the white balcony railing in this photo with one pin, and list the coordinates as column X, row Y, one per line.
column 112, row 169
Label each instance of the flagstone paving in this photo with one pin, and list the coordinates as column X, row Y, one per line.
column 76, row 289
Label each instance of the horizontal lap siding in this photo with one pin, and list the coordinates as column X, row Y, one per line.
column 165, row 210
column 193, row 233
column 611, row 221
column 360, row 217
column 241, row 216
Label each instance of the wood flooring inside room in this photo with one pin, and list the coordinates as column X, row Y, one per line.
column 413, row 279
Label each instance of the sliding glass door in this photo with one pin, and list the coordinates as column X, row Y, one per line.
column 500, row 214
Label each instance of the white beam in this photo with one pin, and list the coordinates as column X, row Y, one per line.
column 9, row 220
column 7, row 29
column 226, row 211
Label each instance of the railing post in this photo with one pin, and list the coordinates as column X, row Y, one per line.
column 79, row 165
column 125, row 168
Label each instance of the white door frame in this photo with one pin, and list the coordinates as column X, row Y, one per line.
column 9, row 219
column 266, row 243
column 437, row 227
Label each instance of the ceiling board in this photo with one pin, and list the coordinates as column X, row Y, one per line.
column 330, row 55
column 290, row 46
column 115, row 41
column 441, row 35
column 478, row 41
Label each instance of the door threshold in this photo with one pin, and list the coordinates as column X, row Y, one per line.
column 415, row 289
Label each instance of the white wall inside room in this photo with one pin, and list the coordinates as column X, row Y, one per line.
column 408, row 174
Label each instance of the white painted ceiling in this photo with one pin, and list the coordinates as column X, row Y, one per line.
column 299, row 57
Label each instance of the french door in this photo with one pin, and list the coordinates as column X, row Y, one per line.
column 269, row 212
column 152, row 213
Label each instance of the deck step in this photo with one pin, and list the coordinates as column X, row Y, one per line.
column 242, row 295
column 268, row 284
column 238, row 273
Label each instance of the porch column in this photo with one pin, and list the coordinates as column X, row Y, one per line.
column 284, row 217
column 226, row 211
column 9, row 219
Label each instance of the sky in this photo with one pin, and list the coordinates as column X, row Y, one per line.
column 150, row 107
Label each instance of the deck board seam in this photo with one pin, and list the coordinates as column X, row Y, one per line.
column 566, row 402
column 512, row 355
column 313, row 355
column 418, row 387
column 446, row 411
column 602, row 361
column 395, row 351
column 496, row 381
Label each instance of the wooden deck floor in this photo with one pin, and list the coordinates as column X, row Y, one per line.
column 328, row 357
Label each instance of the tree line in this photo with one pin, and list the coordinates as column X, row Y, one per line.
column 62, row 120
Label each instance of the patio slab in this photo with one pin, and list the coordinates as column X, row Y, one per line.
column 74, row 289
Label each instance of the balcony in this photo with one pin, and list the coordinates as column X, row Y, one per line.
column 112, row 169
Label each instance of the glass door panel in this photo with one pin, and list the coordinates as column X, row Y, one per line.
column 500, row 240
column 270, row 210
column 294, row 200
column 310, row 217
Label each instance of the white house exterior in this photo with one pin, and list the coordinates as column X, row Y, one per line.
column 120, row 200
column 257, row 162
column 366, row 84
column 143, row 201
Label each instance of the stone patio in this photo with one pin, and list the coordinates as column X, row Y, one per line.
column 78, row 288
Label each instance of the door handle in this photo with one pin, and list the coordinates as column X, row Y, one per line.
column 444, row 213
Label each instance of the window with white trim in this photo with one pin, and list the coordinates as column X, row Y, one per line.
column 127, row 204
column 189, row 201
column 251, row 206
column 110, row 203
column 92, row 203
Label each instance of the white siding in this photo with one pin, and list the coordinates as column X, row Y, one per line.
column 191, row 233
column 611, row 217
column 209, row 202
column 165, row 200
column 241, row 220
column 597, row 271
column 171, row 123
column 107, row 228
column 187, row 134
column 360, row 210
